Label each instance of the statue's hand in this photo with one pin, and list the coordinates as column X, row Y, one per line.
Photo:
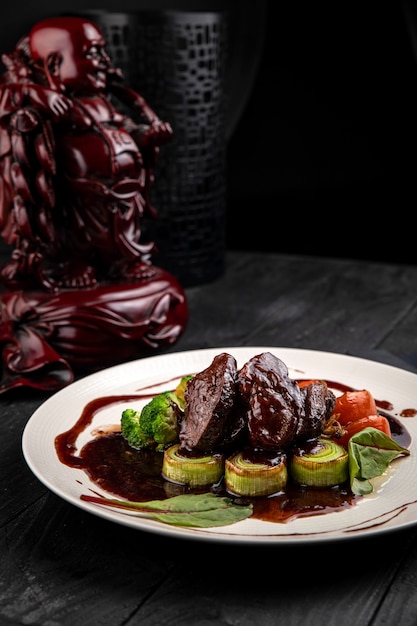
column 157, row 133
column 59, row 104
column 65, row 109
column 162, row 131
column 51, row 101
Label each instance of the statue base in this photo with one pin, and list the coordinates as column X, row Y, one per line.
column 46, row 338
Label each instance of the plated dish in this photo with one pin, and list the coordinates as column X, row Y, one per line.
column 391, row 506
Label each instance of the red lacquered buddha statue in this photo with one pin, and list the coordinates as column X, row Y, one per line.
column 78, row 150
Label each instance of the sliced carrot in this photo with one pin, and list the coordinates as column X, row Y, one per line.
column 374, row 421
column 353, row 405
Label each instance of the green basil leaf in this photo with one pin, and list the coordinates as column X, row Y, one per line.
column 200, row 511
column 361, row 487
column 370, row 453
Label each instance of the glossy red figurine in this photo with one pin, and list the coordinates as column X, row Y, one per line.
column 80, row 290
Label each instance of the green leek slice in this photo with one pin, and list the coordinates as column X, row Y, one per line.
column 245, row 477
column 326, row 464
column 193, row 471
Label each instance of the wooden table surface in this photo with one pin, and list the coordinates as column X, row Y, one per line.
column 60, row 565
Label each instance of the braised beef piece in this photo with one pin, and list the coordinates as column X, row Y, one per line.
column 235, row 433
column 319, row 403
column 274, row 401
column 210, row 418
column 259, row 405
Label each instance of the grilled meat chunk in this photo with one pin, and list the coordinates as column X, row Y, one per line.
column 259, row 405
column 210, row 401
column 319, row 403
column 273, row 401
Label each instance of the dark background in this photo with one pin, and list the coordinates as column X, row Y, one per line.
column 322, row 156
column 324, row 159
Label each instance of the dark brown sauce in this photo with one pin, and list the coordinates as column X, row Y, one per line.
column 136, row 475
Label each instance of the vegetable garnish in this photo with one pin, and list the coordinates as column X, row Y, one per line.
column 355, row 404
column 193, row 471
column 246, row 477
column 325, row 465
column 370, row 453
column 377, row 421
column 199, row 511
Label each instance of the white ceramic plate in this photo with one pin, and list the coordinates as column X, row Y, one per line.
column 391, row 506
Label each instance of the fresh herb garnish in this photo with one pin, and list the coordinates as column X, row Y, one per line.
column 370, row 453
column 199, row 511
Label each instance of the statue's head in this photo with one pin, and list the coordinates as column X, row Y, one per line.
column 71, row 50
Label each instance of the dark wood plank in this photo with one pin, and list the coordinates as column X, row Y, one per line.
column 399, row 606
column 303, row 302
column 65, row 566
column 334, row 584
column 22, row 486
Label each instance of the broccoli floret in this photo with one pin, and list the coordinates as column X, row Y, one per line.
column 132, row 431
column 160, row 419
